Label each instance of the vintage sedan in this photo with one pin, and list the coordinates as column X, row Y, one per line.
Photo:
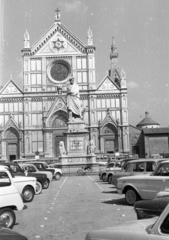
column 150, row 208
column 136, row 167
column 143, row 186
column 146, row 229
column 113, row 166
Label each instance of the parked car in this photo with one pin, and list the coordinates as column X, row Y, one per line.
column 110, row 172
column 41, row 166
column 150, row 208
column 58, row 171
column 10, row 198
column 18, row 171
column 136, row 167
column 26, row 186
column 8, row 234
column 146, row 229
column 143, row 186
column 32, row 168
column 115, row 166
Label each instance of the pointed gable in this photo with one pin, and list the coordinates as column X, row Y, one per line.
column 108, row 119
column 10, row 88
column 58, row 40
column 107, row 84
column 11, row 123
column 59, row 104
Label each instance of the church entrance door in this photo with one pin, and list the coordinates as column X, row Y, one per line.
column 12, row 151
column 109, row 146
column 57, row 141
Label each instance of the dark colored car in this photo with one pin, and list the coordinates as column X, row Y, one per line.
column 8, row 234
column 150, row 208
column 17, row 171
column 42, row 167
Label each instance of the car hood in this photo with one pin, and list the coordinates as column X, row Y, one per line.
column 157, row 204
column 131, row 230
column 6, row 233
column 23, row 179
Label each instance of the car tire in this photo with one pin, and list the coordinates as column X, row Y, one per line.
column 80, row 172
column 110, row 179
column 104, row 177
column 57, row 176
column 46, row 184
column 8, row 215
column 28, row 194
column 38, row 187
column 131, row 196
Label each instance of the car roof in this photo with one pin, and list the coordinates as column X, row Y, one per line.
column 8, row 163
column 147, row 160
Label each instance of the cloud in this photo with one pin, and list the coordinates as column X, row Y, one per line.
column 132, row 84
column 73, row 6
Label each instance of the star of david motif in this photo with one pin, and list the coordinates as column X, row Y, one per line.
column 57, row 45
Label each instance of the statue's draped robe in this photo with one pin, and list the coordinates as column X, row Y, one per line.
column 73, row 99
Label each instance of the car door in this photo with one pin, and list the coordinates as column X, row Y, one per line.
column 159, row 180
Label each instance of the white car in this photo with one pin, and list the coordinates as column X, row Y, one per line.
column 143, row 186
column 26, row 186
column 146, row 229
column 10, row 198
column 33, row 168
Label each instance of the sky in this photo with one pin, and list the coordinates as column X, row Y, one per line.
column 140, row 29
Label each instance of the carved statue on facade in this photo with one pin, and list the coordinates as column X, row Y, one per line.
column 62, row 150
column 91, row 147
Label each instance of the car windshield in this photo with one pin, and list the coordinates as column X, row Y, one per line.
column 15, row 168
column 162, row 170
column 29, row 168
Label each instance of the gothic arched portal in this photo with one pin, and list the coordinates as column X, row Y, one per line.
column 109, row 138
column 12, row 144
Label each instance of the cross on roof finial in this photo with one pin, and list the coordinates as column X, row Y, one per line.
column 57, row 15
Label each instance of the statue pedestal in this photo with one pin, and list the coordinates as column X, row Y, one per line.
column 77, row 140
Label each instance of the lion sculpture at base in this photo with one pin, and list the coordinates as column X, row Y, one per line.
column 62, row 150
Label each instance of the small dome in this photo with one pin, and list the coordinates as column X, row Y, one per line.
column 147, row 122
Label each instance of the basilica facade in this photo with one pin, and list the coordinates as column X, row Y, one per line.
column 35, row 117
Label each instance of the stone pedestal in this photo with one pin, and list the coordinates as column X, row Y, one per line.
column 77, row 140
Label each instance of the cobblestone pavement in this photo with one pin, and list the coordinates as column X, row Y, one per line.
column 72, row 207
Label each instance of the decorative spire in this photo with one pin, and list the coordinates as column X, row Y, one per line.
column 114, row 53
column 26, row 40
column 90, row 37
column 57, row 15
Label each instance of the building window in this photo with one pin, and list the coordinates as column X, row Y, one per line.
column 36, row 79
column 36, row 65
column 26, row 65
column 1, row 107
column 112, row 102
column 98, row 103
column 36, row 119
column 15, row 107
column 117, row 103
column 108, row 103
column 81, row 63
column 37, row 141
column 103, row 103
column 36, row 106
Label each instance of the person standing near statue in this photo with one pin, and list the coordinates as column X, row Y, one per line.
column 73, row 100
